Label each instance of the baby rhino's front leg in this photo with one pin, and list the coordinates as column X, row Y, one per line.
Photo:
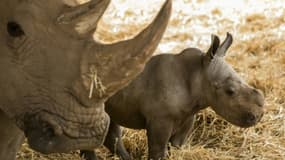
column 113, row 142
column 182, row 132
column 158, row 134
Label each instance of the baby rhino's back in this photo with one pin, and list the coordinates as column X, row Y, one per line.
column 150, row 95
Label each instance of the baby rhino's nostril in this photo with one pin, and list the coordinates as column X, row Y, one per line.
column 260, row 116
column 255, row 90
column 260, row 101
column 259, row 97
column 250, row 118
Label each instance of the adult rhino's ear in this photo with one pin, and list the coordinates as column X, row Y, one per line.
column 215, row 42
column 221, row 52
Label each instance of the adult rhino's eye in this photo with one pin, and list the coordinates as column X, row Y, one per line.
column 14, row 29
column 230, row 91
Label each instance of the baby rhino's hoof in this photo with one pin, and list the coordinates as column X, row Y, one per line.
column 88, row 155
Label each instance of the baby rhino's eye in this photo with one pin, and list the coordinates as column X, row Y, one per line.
column 14, row 29
column 230, row 91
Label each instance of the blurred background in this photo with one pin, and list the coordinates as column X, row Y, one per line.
column 257, row 54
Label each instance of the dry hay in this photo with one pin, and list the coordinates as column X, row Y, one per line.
column 258, row 54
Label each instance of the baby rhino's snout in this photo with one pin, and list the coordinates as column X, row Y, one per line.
column 259, row 97
column 251, row 119
column 256, row 110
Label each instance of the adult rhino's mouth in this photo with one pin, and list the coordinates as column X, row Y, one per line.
column 49, row 133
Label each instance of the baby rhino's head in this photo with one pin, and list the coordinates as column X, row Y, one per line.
column 229, row 95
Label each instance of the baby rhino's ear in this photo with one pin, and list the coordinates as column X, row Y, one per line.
column 221, row 52
column 215, row 42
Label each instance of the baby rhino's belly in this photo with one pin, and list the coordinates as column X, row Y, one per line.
column 128, row 118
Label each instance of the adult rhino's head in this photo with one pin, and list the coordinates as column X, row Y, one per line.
column 229, row 95
column 56, row 78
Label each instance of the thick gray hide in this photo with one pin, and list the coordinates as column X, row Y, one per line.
column 48, row 67
column 172, row 89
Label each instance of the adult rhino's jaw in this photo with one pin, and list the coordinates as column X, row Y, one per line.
column 50, row 133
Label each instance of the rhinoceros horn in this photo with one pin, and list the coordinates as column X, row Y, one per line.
column 56, row 78
column 102, row 60
column 82, row 20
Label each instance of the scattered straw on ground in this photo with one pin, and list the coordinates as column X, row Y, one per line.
column 258, row 54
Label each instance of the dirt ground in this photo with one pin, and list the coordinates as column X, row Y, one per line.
column 257, row 53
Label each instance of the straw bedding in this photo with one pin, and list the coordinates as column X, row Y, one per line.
column 258, row 55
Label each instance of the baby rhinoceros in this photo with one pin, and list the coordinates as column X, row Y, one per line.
column 172, row 89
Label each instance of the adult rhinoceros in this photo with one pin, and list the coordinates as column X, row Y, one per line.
column 55, row 78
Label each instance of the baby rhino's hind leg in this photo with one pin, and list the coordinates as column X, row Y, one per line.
column 114, row 142
column 182, row 132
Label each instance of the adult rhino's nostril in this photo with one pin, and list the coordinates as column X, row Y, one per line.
column 48, row 131
column 50, row 125
column 14, row 29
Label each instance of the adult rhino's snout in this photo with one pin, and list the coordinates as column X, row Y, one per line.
column 49, row 133
column 41, row 130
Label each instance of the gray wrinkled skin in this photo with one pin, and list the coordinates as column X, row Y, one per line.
column 47, row 64
column 172, row 89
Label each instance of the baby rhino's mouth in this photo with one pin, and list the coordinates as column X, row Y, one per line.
column 247, row 119
column 250, row 119
column 50, row 133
